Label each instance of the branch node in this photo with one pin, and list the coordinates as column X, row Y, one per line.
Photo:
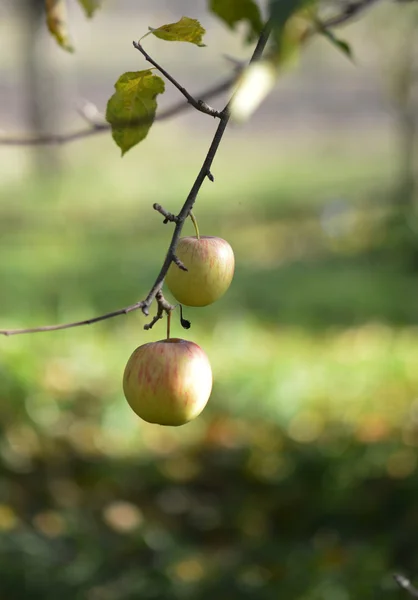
column 204, row 107
column 166, row 306
column 163, row 307
column 197, row 104
column 168, row 216
column 178, row 262
column 210, row 176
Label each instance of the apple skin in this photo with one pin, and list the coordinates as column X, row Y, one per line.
column 210, row 266
column 168, row 382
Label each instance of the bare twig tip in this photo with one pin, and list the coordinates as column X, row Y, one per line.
column 168, row 216
column 178, row 262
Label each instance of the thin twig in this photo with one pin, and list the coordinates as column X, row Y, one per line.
column 163, row 307
column 180, row 219
column 197, row 104
column 405, row 584
column 65, row 138
column 168, row 216
column 110, row 315
column 179, row 263
column 350, row 10
column 158, row 316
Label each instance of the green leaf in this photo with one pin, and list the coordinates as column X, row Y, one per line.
column 291, row 21
column 343, row 46
column 90, row 6
column 56, row 20
column 233, row 12
column 185, row 30
column 131, row 109
column 280, row 13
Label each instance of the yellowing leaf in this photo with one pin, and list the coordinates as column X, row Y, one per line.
column 292, row 23
column 293, row 35
column 90, row 6
column 281, row 11
column 235, row 11
column 131, row 109
column 185, row 30
column 56, row 19
column 292, row 20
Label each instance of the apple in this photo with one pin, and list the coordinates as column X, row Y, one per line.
column 210, row 266
column 168, row 382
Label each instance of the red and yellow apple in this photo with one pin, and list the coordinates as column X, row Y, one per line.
column 210, row 267
column 168, row 382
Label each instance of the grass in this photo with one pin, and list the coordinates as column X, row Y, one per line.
column 308, row 325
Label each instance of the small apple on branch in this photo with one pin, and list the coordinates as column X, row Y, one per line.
column 169, row 382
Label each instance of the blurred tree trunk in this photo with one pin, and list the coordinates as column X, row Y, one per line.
column 404, row 82
column 406, row 112
column 40, row 85
column 398, row 47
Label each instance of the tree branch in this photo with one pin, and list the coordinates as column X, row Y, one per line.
column 405, row 584
column 163, row 307
column 197, row 104
column 350, row 11
column 204, row 172
column 65, row 138
column 110, row 315
column 168, row 216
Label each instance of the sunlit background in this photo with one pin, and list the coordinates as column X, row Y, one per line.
column 299, row 481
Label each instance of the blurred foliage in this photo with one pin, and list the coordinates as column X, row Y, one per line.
column 244, row 510
column 56, row 20
column 233, row 12
column 90, row 6
column 299, row 481
column 300, row 478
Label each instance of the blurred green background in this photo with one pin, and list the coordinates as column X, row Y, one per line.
column 299, row 481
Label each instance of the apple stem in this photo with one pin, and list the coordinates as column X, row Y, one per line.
column 194, row 221
column 168, row 324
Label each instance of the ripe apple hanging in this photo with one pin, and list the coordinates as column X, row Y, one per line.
column 168, row 382
column 210, row 267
